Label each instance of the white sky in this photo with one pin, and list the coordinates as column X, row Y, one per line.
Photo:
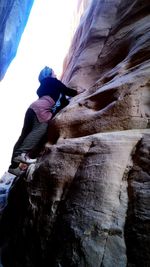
column 45, row 41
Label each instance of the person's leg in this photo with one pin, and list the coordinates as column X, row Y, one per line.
column 32, row 133
column 38, row 149
column 27, row 127
column 33, row 138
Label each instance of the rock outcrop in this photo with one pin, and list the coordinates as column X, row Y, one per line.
column 85, row 202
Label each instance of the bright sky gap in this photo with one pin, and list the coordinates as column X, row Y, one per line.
column 45, row 41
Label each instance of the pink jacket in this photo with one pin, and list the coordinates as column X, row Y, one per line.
column 42, row 108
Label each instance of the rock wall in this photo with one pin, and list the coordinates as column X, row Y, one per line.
column 85, row 202
column 14, row 15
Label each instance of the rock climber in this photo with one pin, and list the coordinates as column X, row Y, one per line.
column 52, row 97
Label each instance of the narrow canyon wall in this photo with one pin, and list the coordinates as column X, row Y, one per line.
column 14, row 15
column 85, row 203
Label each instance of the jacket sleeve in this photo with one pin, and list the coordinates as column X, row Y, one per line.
column 66, row 90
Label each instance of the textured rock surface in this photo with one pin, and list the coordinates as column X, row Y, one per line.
column 86, row 202
column 137, row 229
column 110, row 51
column 14, row 15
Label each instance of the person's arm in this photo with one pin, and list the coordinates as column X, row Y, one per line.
column 66, row 90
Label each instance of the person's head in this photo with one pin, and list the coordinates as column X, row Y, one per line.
column 45, row 73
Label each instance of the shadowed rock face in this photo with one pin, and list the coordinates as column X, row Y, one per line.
column 14, row 15
column 85, row 202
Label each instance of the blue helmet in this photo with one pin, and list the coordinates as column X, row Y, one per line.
column 44, row 73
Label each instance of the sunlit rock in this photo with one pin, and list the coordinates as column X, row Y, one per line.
column 5, row 184
column 112, row 38
column 14, row 15
column 110, row 55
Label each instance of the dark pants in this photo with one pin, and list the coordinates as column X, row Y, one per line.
column 32, row 133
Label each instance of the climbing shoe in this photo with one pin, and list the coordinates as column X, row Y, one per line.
column 24, row 158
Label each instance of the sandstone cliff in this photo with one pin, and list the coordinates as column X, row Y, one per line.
column 86, row 202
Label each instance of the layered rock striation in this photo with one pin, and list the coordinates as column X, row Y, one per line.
column 85, row 202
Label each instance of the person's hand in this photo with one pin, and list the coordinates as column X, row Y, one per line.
column 23, row 166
